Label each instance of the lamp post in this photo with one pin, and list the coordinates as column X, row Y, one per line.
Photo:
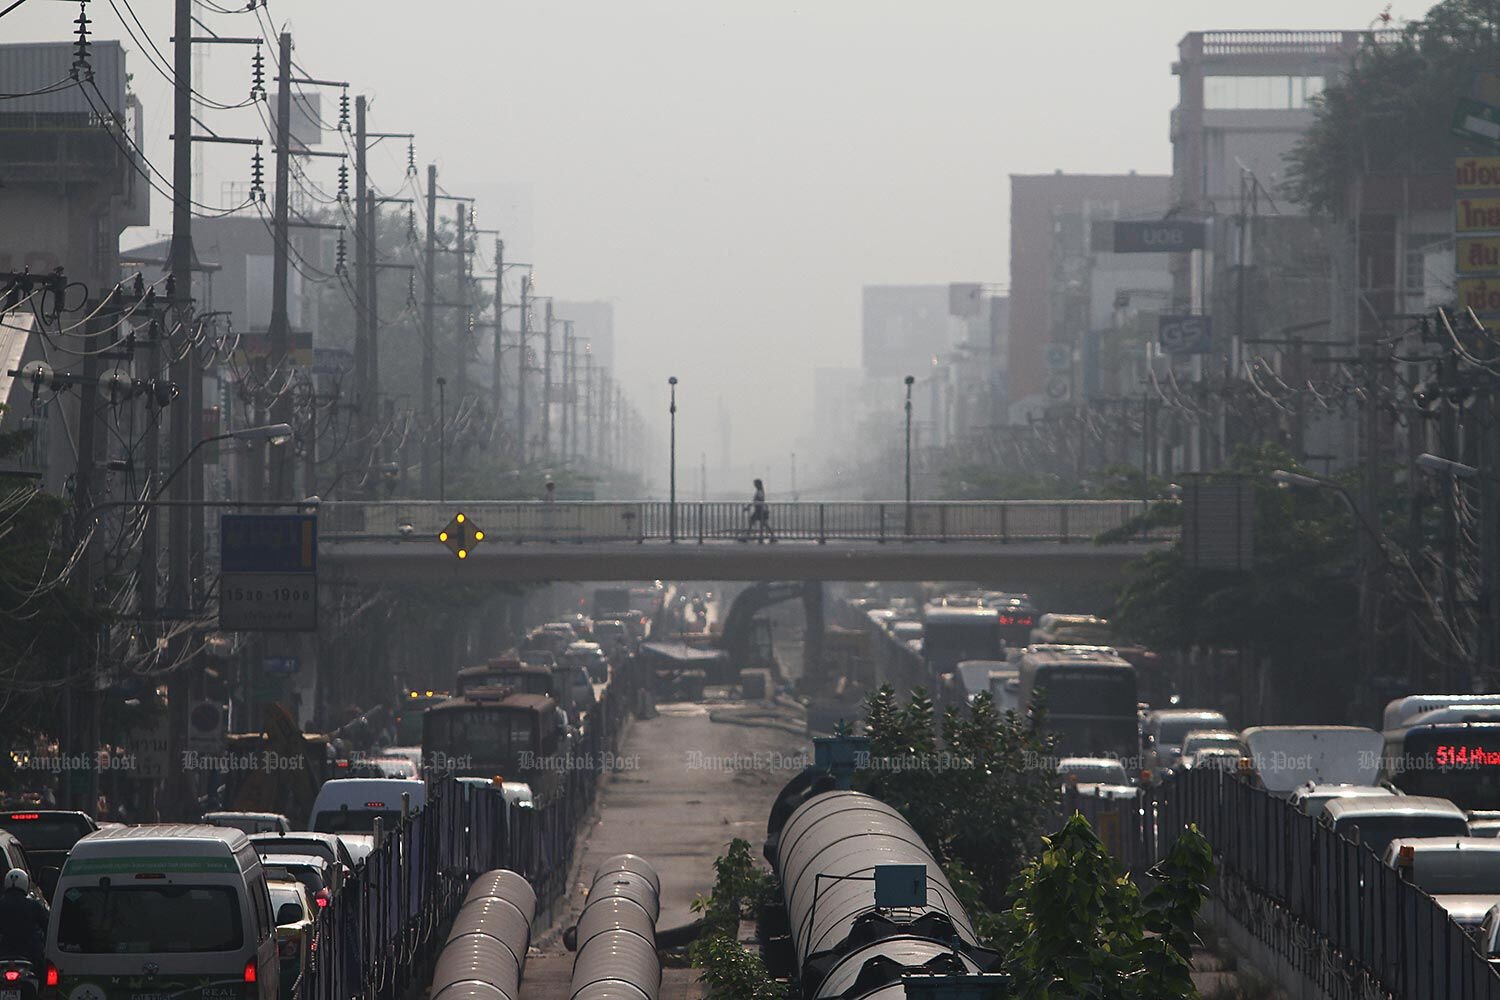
column 672, row 487
column 909, row 380
column 442, row 385
column 270, row 433
column 1366, row 552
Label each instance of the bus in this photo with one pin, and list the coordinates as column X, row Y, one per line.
column 1017, row 617
column 951, row 635
column 494, row 732
column 1457, row 760
column 1089, row 694
column 409, row 715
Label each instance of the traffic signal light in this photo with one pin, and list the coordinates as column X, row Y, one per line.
column 461, row 536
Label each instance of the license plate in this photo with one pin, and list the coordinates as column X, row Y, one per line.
column 10, row 995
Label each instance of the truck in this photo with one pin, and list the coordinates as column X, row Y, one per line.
column 1283, row 758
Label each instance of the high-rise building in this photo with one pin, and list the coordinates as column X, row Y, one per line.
column 906, row 328
column 1046, row 212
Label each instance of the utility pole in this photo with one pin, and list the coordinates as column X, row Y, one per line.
column 588, row 407
column 567, row 390
column 279, row 332
column 181, row 255
column 79, row 736
column 364, row 280
column 521, row 367
column 497, row 396
column 461, row 339
column 429, row 332
column 571, row 403
column 547, row 384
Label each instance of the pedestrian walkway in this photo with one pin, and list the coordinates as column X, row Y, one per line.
column 683, row 786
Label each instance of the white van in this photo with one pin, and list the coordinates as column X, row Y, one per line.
column 1287, row 757
column 351, row 805
column 171, row 910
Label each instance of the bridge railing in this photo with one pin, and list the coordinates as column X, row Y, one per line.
column 996, row 521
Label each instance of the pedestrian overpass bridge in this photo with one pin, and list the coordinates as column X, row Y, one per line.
column 1025, row 542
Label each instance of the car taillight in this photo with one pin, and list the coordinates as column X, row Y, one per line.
column 11, row 975
column 52, row 974
column 250, row 971
column 321, row 898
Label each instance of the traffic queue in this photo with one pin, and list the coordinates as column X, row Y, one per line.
column 321, row 883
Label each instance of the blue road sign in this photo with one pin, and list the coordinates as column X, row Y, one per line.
column 268, row 543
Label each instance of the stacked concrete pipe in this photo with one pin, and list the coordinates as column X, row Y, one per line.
column 485, row 953
column 615, row 936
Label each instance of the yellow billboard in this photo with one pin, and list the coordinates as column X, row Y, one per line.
column 1477, row 255
column 1479, row 294
column 1477, row 173
column 1476, row 215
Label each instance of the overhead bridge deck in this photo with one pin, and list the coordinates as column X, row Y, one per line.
column 1031, row 542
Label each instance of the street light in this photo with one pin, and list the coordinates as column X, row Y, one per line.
column 442, row 385
column 672, row 508
column 1285, row 478
column 1439, row 466
column 271, row 434
column 909, row 380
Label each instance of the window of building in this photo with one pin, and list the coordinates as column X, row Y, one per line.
column 1223, row 93
column 1418, row 246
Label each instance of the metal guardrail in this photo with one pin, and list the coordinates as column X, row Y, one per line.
column 991, row 521
column 383, row 928
column 1324, row 904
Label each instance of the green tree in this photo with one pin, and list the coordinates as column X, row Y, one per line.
column 978, row 792
column 1298, row 605
column 740, row 889
column 1079, row 927
column 1391, row 110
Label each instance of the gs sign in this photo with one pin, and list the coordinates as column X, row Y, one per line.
column 1185, row 334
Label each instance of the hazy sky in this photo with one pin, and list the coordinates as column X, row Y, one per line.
column 729, row 172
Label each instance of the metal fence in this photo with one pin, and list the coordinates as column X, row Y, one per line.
column 997, row 521
column 1324, row 904
column 384, row 927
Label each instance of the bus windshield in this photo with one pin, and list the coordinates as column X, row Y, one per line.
column 482, row 733
column 951, row 642
column 1088, row 691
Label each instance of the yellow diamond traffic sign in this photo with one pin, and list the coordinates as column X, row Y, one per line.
column 461, row 536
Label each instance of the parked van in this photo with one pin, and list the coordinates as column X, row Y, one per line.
column 353, row 804
column 171, row 910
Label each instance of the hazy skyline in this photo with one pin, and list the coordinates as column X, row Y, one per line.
column 728, row 174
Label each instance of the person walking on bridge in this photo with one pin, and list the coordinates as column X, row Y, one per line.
column 760, row 516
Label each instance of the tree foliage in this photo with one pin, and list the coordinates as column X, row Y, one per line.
column 740, row 888
column 1299, row 602
column 1391, row 110
column 978, row 790
column 1079, row 927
